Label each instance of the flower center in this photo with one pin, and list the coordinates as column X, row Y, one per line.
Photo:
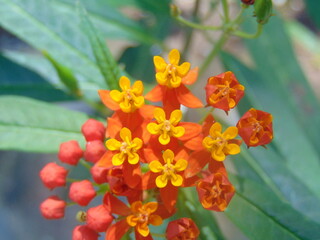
column 128, row 94
column 166, row 126
column 124, row 147
column 143, row 216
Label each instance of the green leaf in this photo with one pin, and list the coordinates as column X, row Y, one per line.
column 17, row 80
column 261, row 215
column 313, row 8
column 34, row 126
column 107, row 65
column 295, row 173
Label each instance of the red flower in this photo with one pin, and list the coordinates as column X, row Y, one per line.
column 70, row 152
column 224, row 91
column 84, row 233
column 94, row 151
column 183, row 228
column 93, row 130
column 255, row 128
column 215, row 191
column 53, row 175
column 99, row 218
column 82, row 192
column 53, row 208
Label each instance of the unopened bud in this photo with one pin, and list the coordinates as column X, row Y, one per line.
column 81, row 216
column 263, row 9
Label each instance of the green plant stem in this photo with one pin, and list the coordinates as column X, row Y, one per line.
column 85, row 164
column 158, row 235
column 72, row 180
column 248, row 35
column 251, row 161
column 197, row 26
column 225, row 11
column 217, row 47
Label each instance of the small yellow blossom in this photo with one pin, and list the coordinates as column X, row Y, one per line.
column 170, row 74
column 130, row 98
column 219, row 143
column 128, row 148
column 168, row 170
column 166, row 128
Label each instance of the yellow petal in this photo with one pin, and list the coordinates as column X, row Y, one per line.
column 153, row 128
column 183, row 69
column 113, row 144
column 133, row 158
column 177, row 180
column 126, row 107
column 137, row 143
column 175, row 81
column 151, row 207
column 168, row 156
column 181, row 165
column 175, row 117
column 159, row 115
column 164, row 139
column 155, row 220
column 178, row 131
column 143, row 229
column 124, row 83
column 135, row 206
column 161, row 78
column 161, row 181
column 207, row 142
column 132, row 220
column 230, row 133
column 216, row 127
column 159, row 63
column 137, row 87
column 233, row 149
column 116, row 96
column 138, row 102
column 174, row 57
column 125, row 135
column 218, row 156
column 118, row 159
column 155, row 166
column 232, row 103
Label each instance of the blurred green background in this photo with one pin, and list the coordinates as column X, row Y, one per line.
column 50, row 51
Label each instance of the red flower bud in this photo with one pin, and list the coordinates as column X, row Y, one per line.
column 183, row 228
column 224, row 91
column 84, row 233
column 93, row 130
column 70, row 152
column 94, row 151
column 255, row 128
column 99, row 174
column 53, row 175
column 99, row 218
column 53, row 208
column 248, row 2
column 82, row 192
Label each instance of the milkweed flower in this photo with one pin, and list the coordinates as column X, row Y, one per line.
column 255, row 128
column 93, row 130
column 70, row 152
column 183, row 228
column 53, row 208
column 215, row 192
column 53, row 175
column 99, row 218
column 224, row 91
column 221, row 144
column 83, row 232
column 82, row 192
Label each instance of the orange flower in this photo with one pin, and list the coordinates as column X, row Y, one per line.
column 171, row 78
column 215, row 192
column 183, row 228
column 221, row 144
column 139, row 216
column 255, row 127
column 224, row 91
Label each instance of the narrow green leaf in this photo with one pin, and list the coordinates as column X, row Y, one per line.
column 34, row 126
column 107, row 64
column 261, row 215
column 17, row 80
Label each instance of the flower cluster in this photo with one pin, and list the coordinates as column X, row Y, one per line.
column 147, row 153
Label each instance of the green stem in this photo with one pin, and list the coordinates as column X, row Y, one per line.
column 217, row 47
column 197, row 26
column 249, row 35
column 72, row 180
column 85, row 164
column 252, row 162
column 158, row 235
column 225, row 11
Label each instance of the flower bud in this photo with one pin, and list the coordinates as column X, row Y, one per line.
column 248, row 2
column 84, row 233
column 99, row 174
column 53, row 208
column 94, row 151
column 263, row 10
column 93, row 130
column 82, row 192
column 99, row 218
column 70, row 152
column 53, row 175
column 183, row 228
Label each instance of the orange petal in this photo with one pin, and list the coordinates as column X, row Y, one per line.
column 155, row 95
column 117, row 230
column 115, row 206
column 107, row 100
column 197, row 161
column 191, row 130
column 169, row 195
column 106, row 160
column 191, row 77
column 113, row 128
column 131, row 174
column 186, row 98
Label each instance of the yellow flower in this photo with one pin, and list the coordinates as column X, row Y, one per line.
column 128, row 148
column 130, row 98
column 166, row 128
column 168, row 170
column 170, row 74
column 220, row 144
